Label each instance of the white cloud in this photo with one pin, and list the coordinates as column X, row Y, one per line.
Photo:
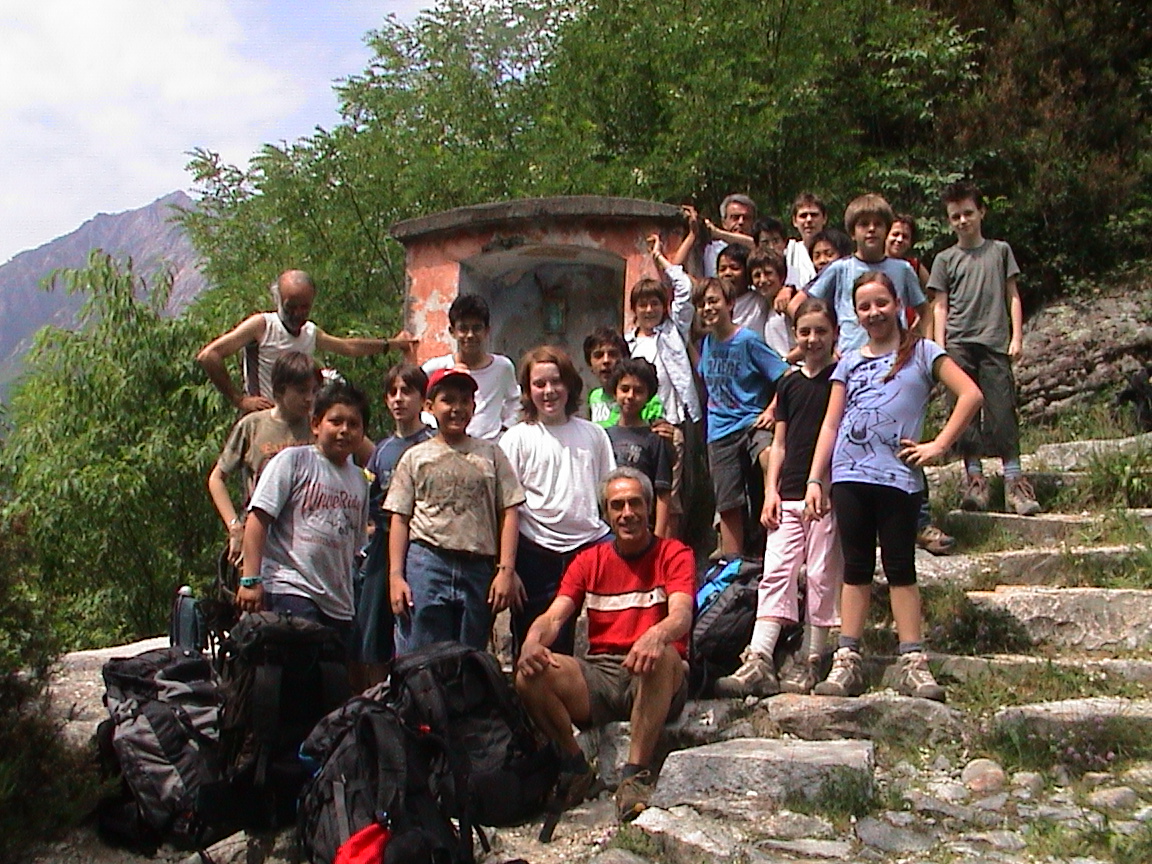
column 100, row 101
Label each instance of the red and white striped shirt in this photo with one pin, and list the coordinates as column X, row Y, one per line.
column 627, row 596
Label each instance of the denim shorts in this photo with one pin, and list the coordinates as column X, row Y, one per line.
column 449, row 598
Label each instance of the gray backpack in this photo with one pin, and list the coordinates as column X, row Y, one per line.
column 163, row 736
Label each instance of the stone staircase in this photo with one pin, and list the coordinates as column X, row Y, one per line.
column 1043, row 752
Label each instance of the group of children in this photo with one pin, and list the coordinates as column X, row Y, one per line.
column 802, row 370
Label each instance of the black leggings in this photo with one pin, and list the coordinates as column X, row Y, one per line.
column 867, row 512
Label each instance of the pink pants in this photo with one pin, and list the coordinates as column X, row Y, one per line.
column 794, row 545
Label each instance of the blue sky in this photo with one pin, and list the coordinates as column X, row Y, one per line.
column 99, row 102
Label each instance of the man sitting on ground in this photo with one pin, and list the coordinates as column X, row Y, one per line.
column 639, row 591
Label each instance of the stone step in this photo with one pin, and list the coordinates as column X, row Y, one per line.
column 1079, row 455
column 1066, row 456
column 873, row 716
column 1087, row 619
column 1072, row 718
column 775, row 769
column 1043, row 529
column 703, row 721
column 1049, row 485
column 1034, row 566
column 966, row 668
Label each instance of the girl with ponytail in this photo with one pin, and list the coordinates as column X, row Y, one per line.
column 870, row 439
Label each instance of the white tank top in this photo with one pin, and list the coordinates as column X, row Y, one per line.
column 259, row 356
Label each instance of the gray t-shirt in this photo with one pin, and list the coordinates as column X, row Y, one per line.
column 834, row 285
column 319, row 511
column 878, row 414
column 976, row 282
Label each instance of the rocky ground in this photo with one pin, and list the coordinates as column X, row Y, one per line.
column 1043, row 753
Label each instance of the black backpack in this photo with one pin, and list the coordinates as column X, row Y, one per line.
column 162, row 737
column 461, row 694
column 375, row 769
column 281, row 675
column 723, row 627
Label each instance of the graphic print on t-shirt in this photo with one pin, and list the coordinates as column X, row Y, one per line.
column 867, row 424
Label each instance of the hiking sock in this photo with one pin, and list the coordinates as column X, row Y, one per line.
column 765, row 634
column 815, row 641
column 973, row 466
column 909, row 647
column 852, row 642
column 1012, row 469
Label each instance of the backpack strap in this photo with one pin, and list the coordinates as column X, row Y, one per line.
column 264, row 708
column 339, row 801
column 430, row 693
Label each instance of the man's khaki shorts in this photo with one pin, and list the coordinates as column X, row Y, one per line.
column 612, row 688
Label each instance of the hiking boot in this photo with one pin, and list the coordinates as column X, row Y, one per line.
column 633, row 794
column 755, row 677
column 573, row 787
column 846, row 677
column 798, row 676
column 916, row 678
column 975, row 493
column 931, row 539
column 1020, row 496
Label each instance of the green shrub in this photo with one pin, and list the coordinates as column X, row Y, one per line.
column 44, row 785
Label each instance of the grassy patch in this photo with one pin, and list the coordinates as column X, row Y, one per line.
column 1119, row 479
column 1101, row 746
column 1133, row 570
column 632, row 839
column 976, row 536
column 954, row 624
column 1097, row 419
column 1059, row 842
column 844, row 793
column 1038, row 682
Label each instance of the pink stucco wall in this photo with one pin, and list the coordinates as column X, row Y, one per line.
column 433, row 269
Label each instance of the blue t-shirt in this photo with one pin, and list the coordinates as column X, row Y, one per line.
column 878, row 414
column 834, row 285
column 740, row 376
column 380, row 466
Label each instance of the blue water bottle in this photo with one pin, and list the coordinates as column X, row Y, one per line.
column 186, row 621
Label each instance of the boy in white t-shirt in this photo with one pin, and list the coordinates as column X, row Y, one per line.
column 498, row 396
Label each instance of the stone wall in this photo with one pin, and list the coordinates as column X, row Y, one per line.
column 1078, row 349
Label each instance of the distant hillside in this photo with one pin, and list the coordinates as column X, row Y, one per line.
column 148, row 235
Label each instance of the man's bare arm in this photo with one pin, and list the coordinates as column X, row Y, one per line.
column 647, row 650
column 212, row 356
column 403, row 342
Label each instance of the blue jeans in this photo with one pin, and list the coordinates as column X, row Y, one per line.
column 449, row 599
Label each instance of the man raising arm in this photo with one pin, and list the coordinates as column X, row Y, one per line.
column 266, row 335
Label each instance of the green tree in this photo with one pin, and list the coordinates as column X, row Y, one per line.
column 114, row 427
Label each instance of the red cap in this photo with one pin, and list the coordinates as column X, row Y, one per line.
column 457, row 376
